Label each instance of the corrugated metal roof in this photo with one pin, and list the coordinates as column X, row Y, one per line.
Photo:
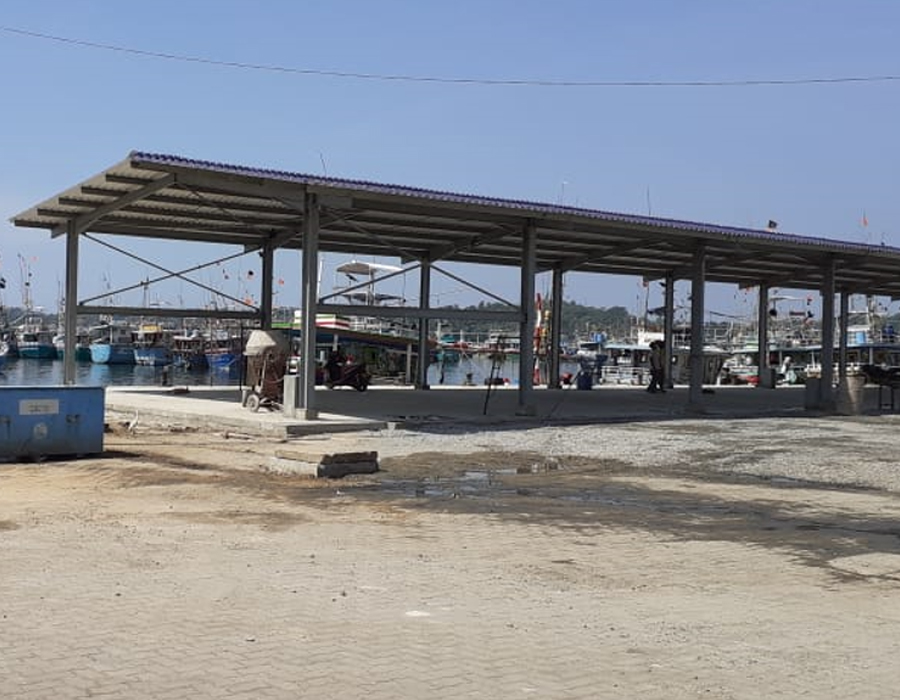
column 518, row 205
column 177, row 198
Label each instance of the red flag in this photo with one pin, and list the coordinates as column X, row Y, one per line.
column 865, row 219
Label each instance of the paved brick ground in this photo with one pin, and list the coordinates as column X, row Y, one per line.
column 124, row 579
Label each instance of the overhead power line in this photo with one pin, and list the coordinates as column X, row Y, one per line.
column 400, row 77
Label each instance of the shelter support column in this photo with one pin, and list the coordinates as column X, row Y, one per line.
column 842, row 338
column 763, row 375
column 826, row 391
column 553, row 343
column 698, row 284
column 268, row 267
column 310, row 283
column 71, row 327
column 424, row 303
column 669, row 329
column 526, row 327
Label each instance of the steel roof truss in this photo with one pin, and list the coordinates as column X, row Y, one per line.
column 573, row 262
column 182, row 275
column 471, row 243
column 83, row 223
column 231, row 314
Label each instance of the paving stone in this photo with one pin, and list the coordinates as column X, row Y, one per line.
column 331, row 465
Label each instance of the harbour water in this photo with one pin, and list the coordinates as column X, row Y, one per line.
column 26, row 372
column 475, row 369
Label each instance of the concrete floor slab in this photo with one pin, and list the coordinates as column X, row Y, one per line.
column 220, row 409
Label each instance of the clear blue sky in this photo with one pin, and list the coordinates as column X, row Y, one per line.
column 814, row 157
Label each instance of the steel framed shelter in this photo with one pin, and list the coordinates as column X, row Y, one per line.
column 168, row 197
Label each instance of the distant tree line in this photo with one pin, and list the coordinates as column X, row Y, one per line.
column 578, row 321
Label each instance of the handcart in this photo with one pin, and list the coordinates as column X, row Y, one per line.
column 267, row 355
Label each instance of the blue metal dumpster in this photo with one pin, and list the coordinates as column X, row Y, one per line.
column 41, row 421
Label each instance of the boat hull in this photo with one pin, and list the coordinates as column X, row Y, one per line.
column 153, row 356
column 37, row 352
column 106, row 354
column 223, row 361
column 82, row 353
column 189, row 360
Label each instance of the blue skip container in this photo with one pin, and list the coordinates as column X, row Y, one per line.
column 43, row 421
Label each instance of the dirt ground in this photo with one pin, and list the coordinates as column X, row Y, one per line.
column 541, row 573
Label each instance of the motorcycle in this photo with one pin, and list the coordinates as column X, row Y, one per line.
column 353, row 374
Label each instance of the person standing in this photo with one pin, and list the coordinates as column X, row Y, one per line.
column 657, row 368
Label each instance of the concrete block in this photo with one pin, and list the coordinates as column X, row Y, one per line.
column 328, row 465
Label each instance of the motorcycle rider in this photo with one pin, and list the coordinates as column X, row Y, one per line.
column 334, row 366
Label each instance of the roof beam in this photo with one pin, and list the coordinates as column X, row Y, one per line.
column 226, row 183
column 471, row 243
column 168, row 312
column 572, row 262
column 83, row 222
column 454, row 314
column 179, row 234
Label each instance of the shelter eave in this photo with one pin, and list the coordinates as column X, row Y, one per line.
column 174, row 198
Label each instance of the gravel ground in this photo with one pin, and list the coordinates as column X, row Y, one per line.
column 858, row 452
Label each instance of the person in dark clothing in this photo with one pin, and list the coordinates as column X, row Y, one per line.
column 334, row 367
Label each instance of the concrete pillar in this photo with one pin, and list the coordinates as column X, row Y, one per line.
column 71, row 319
column 555, row 340
column 526, row 327
column 310, row 284
column 669, row 329
column 424, row 303
column 828, row 291
column 698, row 284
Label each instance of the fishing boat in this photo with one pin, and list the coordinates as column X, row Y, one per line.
column 82, row 347
column 112, row 344
column 794, row 348
column 9, row 347
column 34, row 339
column 386, row 345
column 82, row 337
column 500, row 343
column 151, row 346
column 224, row 351
column 356, row 284
column 189, row 350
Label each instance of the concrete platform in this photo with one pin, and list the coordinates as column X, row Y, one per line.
column 220, row 409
